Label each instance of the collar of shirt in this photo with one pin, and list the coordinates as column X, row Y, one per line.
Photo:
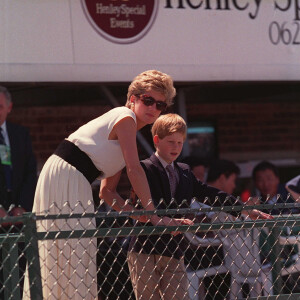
column 4, row 132
column 165, row 164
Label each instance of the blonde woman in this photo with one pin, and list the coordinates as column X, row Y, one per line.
column 98, row 149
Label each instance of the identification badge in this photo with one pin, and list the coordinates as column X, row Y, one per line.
column 5, row 155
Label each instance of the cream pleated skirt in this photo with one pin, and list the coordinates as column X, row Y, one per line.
column 68, row 266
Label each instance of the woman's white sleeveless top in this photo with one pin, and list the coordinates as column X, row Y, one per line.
column 92, row 138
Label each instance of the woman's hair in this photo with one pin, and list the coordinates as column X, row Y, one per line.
column 152, row 80
column 167, row 124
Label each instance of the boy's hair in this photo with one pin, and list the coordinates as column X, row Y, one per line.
column 6, row 93
column 167, row 124
column 219, row 167
column 264, row 165
column 152, row 80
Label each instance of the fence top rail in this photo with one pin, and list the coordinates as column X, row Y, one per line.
column 278, row 222
column 168, row 211
column 149, row 230
column 8, row 220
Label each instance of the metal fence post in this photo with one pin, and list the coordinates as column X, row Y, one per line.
column 11, row 268
column 274, row 257
column 32, row 256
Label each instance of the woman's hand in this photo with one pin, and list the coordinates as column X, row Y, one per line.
column 256, row 214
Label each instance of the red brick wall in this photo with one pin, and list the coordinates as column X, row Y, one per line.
column 242, row 127
column 252, row 127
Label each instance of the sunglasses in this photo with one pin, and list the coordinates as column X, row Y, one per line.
column 149, row 101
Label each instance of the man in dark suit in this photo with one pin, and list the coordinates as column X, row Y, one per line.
column 18, row 173
column 156, row 261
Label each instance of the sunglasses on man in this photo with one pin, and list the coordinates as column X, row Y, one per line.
column 149, row 101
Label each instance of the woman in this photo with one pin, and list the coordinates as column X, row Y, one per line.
column 98, row 149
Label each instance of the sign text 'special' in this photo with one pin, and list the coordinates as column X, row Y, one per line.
column 251, row 6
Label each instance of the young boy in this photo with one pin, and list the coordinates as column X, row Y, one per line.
column 156, row 261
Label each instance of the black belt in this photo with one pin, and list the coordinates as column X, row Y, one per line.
column 78, row 159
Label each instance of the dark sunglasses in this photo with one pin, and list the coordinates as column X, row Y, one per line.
column 149, row 101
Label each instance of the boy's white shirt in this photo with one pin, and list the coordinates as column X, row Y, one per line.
column 164, row 163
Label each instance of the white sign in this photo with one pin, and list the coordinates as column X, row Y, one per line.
column 113, row 40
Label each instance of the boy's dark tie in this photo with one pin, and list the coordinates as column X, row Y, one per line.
column 172, row 179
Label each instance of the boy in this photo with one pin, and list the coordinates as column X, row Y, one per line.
column 156, row 261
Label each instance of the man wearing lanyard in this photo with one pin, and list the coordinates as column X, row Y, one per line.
column 5, row 156
column 18, row 173
column 18, row 165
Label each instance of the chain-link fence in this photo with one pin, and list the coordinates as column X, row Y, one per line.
column 107, row 255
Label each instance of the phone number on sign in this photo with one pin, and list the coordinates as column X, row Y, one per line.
column 284, row 33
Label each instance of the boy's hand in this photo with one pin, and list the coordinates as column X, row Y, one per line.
column 166, row 221
column 178, row 222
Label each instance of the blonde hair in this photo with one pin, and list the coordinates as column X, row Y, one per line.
column 167, row 124
column 152, row 80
